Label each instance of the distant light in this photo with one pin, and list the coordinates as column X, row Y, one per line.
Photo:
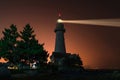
column 59, row 21
column 12, row 67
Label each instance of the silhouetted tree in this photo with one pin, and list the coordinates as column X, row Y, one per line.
column 8, row 44
column 71, row 60
column 30, row 49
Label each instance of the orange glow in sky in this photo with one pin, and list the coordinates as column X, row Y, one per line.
column 97, row 46
column 2, row 60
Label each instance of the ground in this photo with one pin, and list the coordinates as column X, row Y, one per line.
column 86, row 75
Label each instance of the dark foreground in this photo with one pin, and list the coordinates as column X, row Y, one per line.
column 69, row 75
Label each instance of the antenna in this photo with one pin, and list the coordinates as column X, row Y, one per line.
column 59, row 14
column 59, row 17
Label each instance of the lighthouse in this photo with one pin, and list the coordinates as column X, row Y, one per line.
column 60, row 41
column 60, row 59
column 60, row 49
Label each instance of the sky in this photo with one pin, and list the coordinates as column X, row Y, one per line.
column 98, row 46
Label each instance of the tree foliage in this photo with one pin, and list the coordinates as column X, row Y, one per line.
column 71, row 60
column 8, row 43
column 25, row 48
column 29, row 47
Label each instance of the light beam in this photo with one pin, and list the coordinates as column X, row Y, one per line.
column 101, row 22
